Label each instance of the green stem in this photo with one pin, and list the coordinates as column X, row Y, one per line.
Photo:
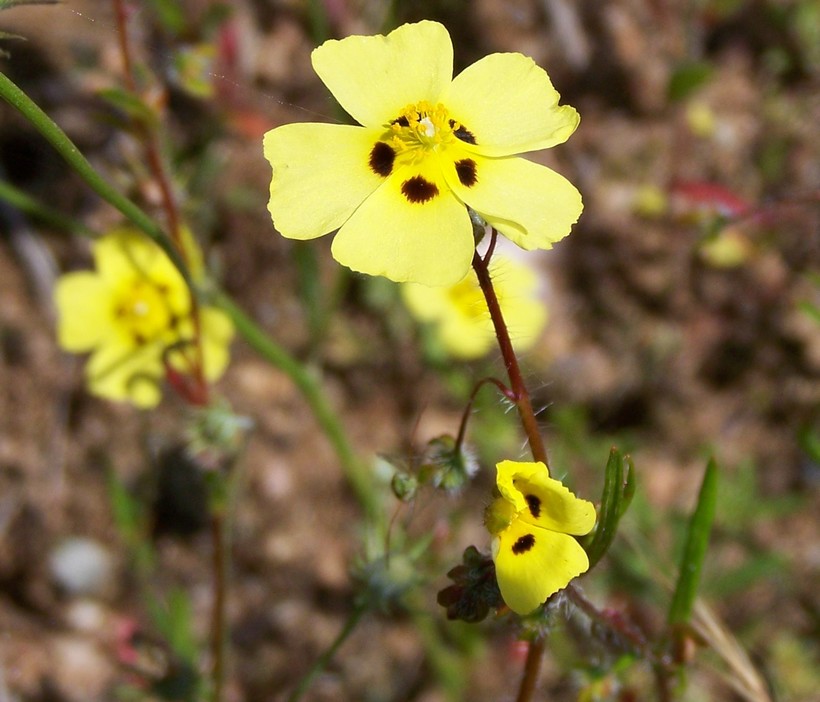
column 321, row 662
column 219, row 633
column 311, row 389
column 253, row 334
column 27, row 204
column 13, row 95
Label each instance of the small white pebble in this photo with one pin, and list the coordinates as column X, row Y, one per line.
column 81, row 566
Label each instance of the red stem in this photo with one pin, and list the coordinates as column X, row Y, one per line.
column 521, row 397
column 155, row 161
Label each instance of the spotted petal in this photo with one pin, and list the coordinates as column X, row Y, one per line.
column 119, row 371
column 508, row 103
column 530, row 204
column 532, row 563
column 320, row 176
column 374, row 77
column 429, row 242
column 549, row 504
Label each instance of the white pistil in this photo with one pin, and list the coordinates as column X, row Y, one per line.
column 429, row 127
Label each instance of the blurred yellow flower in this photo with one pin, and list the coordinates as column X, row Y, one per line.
column 398, row 187
column 531, row 523
column 459, row 313
column 133, row 313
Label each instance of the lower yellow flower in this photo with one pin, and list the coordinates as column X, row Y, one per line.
column 532, row 522
column 134, row 315
column 460, row 315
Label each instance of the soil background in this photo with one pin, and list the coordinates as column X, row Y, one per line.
column 699, row 126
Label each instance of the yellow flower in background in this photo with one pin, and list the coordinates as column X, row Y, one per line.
column 397, row 188
column 460, row 316
column 133, row 313
column 532, row 522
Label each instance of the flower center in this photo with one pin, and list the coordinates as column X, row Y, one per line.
column 420, row 128
column 142, row 311
column 499, row 514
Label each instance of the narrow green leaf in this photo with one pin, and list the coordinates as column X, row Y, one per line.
column 25, row 203
column 687, row 77
column 697, row 541
column 130, row 104
column 610, row 511
column 7, row 4
column 170, row 15
column 630, row 484
column 810, row 309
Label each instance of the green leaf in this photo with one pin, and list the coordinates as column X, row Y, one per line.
column 170, row 15
column 7, row 4
column 130, row 104
column 694, row 552
column 614, row 501
column 687, row 77
column 174, row 620
column 630, row 484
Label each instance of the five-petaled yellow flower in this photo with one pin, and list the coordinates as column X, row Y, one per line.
column 460, row 316
column 532, row 522
column 134, row 315
column 398, row 187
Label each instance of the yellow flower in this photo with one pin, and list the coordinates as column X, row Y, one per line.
column 531, row 523
column 134, row 314
column 460, row 316
column 398, row 187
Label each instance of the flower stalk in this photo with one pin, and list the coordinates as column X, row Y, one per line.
column 521, row 397
column 157, row 166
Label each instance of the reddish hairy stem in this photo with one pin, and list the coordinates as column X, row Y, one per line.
column 462, row 430
column 154, row 155
column 521, row 397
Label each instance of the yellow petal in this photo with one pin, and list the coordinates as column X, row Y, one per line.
column 320, row 176
column 126, row 252
column 509, row 105
column 217, row 333
column 552, row 506
column 84, row 307
column 531, row 564
column 429, row 242
column 374, row 77
column 119, row 371
column 530, row 204
column 459, row 313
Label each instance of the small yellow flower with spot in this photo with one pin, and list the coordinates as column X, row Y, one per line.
column 133, row 313
column 398, row 188
column 532, row 522
column 459, row 313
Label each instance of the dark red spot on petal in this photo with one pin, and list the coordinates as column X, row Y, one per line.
column 524, row 544
column 466, row 170
column 462, row 133
column 381, row 160
column 418, row 189
column 401, row 121
column 534, row 504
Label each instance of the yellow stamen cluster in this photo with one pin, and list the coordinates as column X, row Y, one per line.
column 422, row 127
column 143, row 311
